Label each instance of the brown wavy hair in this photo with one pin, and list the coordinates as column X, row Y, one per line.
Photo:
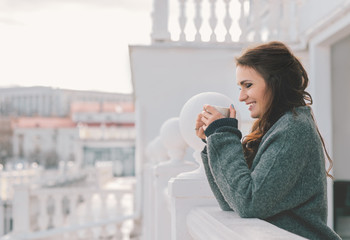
column 286, row 80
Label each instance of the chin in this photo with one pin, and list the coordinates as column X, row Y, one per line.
column 252, row 115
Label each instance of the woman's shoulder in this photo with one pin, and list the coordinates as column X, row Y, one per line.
column 299, row 120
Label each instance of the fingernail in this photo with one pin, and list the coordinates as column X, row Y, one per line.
column 232, row 106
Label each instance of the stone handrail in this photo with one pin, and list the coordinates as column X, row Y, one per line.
column 209, row 223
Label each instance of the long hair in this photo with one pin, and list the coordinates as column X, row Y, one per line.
column 286, row 81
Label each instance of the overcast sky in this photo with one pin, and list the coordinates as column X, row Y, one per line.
column 74, row 44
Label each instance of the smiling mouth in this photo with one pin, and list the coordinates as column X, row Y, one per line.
column 251, row 105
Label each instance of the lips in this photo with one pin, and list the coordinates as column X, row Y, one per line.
column 251, row 105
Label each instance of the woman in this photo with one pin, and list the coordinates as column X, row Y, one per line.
column 277, row 173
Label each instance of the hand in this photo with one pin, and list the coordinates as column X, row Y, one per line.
column 207, row 116
column 199, row 127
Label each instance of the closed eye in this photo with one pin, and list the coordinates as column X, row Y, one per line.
column 248, row 85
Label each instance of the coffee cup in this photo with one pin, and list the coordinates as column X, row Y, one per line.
column 223, row 110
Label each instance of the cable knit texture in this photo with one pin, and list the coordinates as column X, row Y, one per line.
column 286, row 185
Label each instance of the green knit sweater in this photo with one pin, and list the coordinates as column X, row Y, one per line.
column 286, row 185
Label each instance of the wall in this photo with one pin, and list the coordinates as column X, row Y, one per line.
column 340, row 84
column 313, row 12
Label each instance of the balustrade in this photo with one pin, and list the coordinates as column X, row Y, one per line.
column 40, row 213
column 11, row 177
column 224, row 21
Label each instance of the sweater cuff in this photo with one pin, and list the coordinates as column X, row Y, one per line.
column 221, row 125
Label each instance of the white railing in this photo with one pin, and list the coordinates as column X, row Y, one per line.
column 11, row 177
column 225, row 21
column 212, row 223
column 179, row 204
column 75, row 213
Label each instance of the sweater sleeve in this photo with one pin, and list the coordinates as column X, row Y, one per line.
column 214, row 187
column 262, row 192
column 216, row 191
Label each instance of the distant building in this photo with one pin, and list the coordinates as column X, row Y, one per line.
column 50, row 102
column 5, row 139
column 44, row 140
column 45, row 125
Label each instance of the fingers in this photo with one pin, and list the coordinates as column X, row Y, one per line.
column 200, row 127
column 207, row 116
column 209, row 109
column 232, row 111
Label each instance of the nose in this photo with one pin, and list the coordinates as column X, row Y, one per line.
column 242, row 96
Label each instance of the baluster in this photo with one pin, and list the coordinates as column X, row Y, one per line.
column 228, row 21
column 43, row 215
column 89, row 234
column 182, row 20
column 118, row 231
column 103, row 204
column 256, row 20
column 284, row 24
column 88, row 212
column 73, row 199
column 58, row 214
column 294, row 21
column 243, row 22
column 274, row 10
column 103, row 232
column 118, row 204
column 198, row 20
column 213, row 21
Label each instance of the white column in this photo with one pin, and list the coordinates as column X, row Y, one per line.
column 213, row 20
column 43, row 218
column 172, row 139
column 2, row 214
column 160, row 17
column 320, row 89
column 155, row 153
column 198, row 20
column 21, row 219
column 191, row 189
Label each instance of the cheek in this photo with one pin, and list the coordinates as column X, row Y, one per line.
column 266, row 96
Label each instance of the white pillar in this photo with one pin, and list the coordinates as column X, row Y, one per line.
column 172, row 139
column 20, row 209
column 191, row 189
column 2, row 216
column 160, row 17
column 155, row 152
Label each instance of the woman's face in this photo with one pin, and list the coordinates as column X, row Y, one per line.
column 254, row 91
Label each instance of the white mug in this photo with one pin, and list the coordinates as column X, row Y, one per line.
column 223, row 110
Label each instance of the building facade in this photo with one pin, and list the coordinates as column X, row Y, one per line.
column 48, row 126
